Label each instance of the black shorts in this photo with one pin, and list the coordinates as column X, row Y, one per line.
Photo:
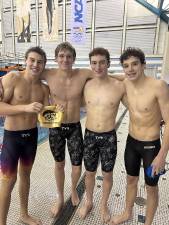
column 17, row 145
column 141, row 150
column 71, row 132
column 100, row 144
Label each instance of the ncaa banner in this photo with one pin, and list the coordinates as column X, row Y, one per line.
column 78, row 21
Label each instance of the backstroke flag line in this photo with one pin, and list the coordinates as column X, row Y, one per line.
column 78, row 21
column 50, row 20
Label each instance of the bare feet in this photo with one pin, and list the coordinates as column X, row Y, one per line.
column 85, row 209
column 120, row 218
column 56, row 209
column 105, row 214
column 29, row 220
column 75, row 198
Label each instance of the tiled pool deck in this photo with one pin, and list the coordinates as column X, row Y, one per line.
column 43, row 189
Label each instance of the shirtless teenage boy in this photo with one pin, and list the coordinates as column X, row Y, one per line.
column 102, row 96
column 148, row 104
column 66, row 88
column 23, row 97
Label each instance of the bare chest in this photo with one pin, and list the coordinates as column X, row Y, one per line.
column 142, row 101
column 66, row 89
column 25, row 93
column 105, row 97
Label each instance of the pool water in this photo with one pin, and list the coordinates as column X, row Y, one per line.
column 43, row 134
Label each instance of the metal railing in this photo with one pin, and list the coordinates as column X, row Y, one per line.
column 153, row 63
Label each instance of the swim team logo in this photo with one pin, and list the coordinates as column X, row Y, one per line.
column 49, row 115
column 78, row 14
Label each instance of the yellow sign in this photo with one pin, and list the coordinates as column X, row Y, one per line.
column 50, row 117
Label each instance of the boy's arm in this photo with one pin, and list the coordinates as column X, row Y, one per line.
column 46, row 94
column 1, row 89
column 120, row 77
column 163, row 100
column 124, row 101
column 83, row 103
column 45, row 74
column 8, row 84
column 8, row 110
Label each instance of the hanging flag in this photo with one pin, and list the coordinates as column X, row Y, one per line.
column 78, row 21
column 23, row 10
column 50, row 20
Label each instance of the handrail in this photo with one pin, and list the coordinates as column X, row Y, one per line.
column 153, row 62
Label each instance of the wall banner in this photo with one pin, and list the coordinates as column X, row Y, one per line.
column 78, row 21
column 50, row 20
column 23, row 21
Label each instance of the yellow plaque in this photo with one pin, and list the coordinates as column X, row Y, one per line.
column 50, row 117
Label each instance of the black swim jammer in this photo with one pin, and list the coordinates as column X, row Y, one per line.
column 100, row 144
column 141, row 150
column 17, row 145
column 71, row 132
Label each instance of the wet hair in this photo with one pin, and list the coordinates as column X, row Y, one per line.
column 65, row 46
column 38, row 50
column 136, row 52
column 100, row 51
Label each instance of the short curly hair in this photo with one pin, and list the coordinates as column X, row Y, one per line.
column 100, row 51
column 136, row 52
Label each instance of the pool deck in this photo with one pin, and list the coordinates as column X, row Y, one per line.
column 43, row 188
